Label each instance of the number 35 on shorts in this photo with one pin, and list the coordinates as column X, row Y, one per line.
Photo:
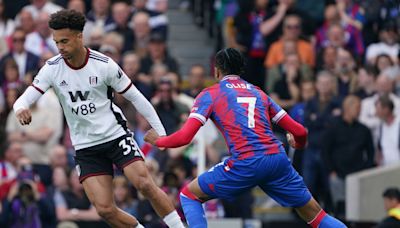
column 128, row 145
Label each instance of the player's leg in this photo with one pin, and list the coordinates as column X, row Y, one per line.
column 287, row 187
column 95, row 173
column 316, row 217
column 100, row 193
column 129, row 158
column 223, row 180
column 139, row 176
column 192, row 198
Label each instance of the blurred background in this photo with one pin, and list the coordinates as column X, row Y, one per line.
column 333, row 65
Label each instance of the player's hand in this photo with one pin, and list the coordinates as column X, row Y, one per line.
column 24, row 116
column 151, row 137
column 291, row 140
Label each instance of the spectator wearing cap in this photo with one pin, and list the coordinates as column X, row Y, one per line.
column 388, row 44
column 157, row 53
column 391, row 201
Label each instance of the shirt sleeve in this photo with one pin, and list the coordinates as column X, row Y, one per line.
column 275, row 111
column 42, row 80
column 117, row 79
column 202, row 107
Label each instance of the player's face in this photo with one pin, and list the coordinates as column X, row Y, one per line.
column 68, row 42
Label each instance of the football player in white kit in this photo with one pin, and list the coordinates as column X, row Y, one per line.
column 84, row 81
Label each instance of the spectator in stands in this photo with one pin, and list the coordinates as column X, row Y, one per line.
column 8, row 165
column 307, row 92
column 158, row 20
column 251, row 29
column 26, row 21
column 41, row 6
column 59, row 157
column 291, row 32
column 384, row 86
column 196, row 79
column 141, row 28
column 121, row 16
column 383, row 62
column 95, row 37
column 388, row 45
column 169, row 110
column 100, row 15
column 131, row 67
column 123, row 196
column 326, row 59
column 286, row 89
column 366, row 81
column 352, row 18
column 37, row 138
column 389, row 132
column 7, row 25
column 26, row 60
column 9, row 71
column 157, row 72
column 77, row 5
column 391, row 201
column 331, row 17
column 25, row 205
column 318, row 115
column 345, row 72
column 72, row 204
column 157, row 53
column 41, row 40
column 347, row 148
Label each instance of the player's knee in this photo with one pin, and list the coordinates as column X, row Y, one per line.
column 145, row 186
column 106, row 211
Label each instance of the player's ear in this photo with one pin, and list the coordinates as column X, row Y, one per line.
column 79, row 35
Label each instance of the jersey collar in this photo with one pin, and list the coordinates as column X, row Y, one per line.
column 84, row 64
column 230, row 77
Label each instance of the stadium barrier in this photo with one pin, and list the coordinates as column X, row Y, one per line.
column 364, row 201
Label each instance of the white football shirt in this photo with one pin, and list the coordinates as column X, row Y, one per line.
column 85, row 94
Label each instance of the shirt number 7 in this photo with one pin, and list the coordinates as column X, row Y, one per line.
column 251, row 101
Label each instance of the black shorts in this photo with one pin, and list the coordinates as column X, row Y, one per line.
column 98, row 160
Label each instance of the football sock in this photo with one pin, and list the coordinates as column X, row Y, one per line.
column 323, row 220
column 193, row 209
column 173, row 220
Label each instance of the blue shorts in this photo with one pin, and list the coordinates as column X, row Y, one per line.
column 273, row 173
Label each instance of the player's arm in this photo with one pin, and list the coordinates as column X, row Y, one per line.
column 121, row 83
column 144, row 107
column 40, row 85
column 198, row 117
column 180, row 138
column 22, row 104
column 297, row 136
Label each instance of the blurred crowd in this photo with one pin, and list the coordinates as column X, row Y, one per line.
column 333, row 65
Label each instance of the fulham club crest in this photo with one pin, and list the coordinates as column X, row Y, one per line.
column 93, row 80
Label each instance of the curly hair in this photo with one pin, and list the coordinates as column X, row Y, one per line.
column 67, row 19
column 230, row 61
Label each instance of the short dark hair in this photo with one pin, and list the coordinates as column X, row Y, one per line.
column 67, row 19
column 392, row 193
column 386, row 102
column 230, row 61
